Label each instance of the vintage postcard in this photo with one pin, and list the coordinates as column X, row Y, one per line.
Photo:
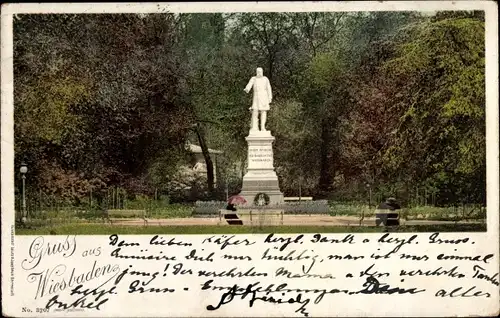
column 250, row 159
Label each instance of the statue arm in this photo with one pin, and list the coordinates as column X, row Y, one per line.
column 269, row 91
column 250, row 84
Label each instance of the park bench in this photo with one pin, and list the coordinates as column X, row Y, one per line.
column 114, row 214
column 386, row 213
column 258, row 214
column 293, row 199
column 386, row 218
column 230, row 216
column 255, row 214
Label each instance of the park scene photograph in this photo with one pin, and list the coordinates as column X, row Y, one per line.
column 252, row 122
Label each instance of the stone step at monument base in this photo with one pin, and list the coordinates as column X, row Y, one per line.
column 261, row 216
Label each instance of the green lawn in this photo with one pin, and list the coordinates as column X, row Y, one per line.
column 101, row 229
column 413, row 213
column 335, row 209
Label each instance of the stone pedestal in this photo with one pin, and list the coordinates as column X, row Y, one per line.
column 260, row 176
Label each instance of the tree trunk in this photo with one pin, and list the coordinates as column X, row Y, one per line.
column 208, row 161
column 270, row 65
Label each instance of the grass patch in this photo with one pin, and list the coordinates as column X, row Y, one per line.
column 412, row 213
column 104, row 229
column 171, row 211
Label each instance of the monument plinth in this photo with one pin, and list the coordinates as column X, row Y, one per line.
column 260, row 176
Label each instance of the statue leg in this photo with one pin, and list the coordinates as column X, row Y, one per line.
column 255, row 120
column 263, row 117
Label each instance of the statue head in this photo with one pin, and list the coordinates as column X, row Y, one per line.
column 260, row 72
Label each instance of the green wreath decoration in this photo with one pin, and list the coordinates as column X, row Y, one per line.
column 257, row 200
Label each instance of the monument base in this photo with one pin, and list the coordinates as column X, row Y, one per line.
column 275, row 197
column 260, row 176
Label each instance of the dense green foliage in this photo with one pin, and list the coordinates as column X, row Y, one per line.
column 391, row 101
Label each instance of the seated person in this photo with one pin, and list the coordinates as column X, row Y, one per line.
column 389, row 204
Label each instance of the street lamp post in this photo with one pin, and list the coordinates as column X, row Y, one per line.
column 300, row 187
column 370, row 195
column 24, row 170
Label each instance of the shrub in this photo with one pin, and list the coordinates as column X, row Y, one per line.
column 172, row 211
column 208, row 207
column 307, row 207
column 350, row 208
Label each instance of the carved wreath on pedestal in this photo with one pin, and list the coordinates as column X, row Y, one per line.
column 261, row 199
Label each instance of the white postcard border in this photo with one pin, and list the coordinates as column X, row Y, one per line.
column 491, row 237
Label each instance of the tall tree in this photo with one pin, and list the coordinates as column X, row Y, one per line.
column 430, row 95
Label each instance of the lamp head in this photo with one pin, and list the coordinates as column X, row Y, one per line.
column 24, row 168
